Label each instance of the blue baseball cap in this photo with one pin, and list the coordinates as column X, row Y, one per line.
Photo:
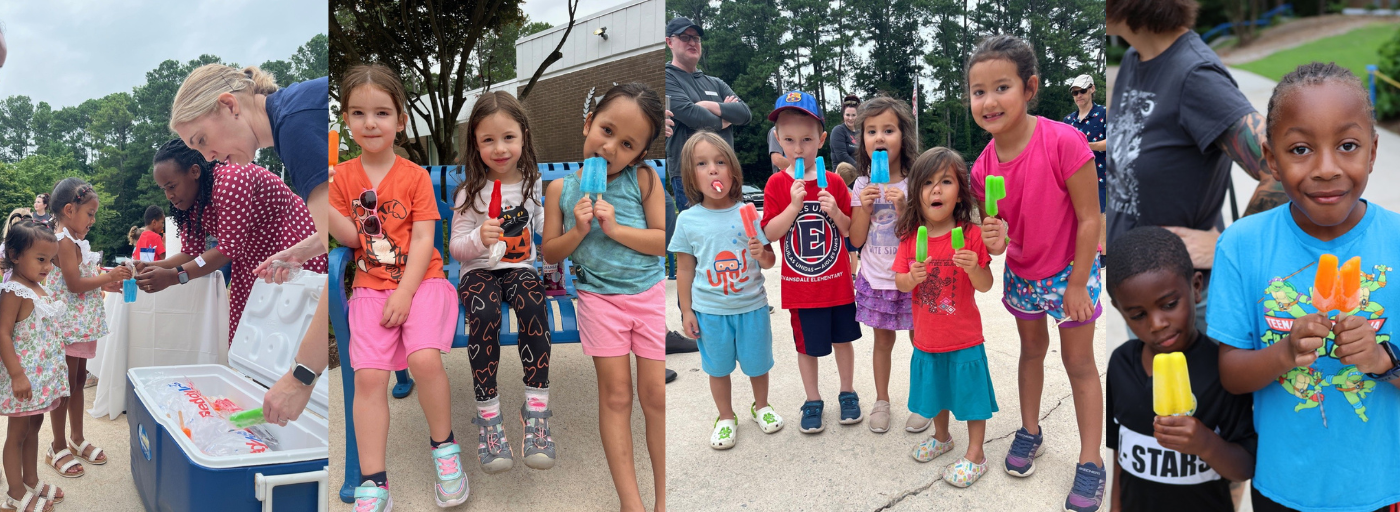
column 798, row 100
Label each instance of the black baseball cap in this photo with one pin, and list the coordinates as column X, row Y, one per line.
column 679, row 25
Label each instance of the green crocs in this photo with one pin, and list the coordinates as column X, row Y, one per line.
column 723, row 436
column 767, row 419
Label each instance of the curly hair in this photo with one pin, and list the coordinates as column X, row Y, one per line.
column 183, row 156
column 475, row 169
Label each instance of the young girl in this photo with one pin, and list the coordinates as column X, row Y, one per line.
column 615, row 240
column 948, row 371
column 885, row 124
column 1048, row 225
column 724, row 307
column 401, row 298
column 76, row 282
column 498, row 257
column 151, row 235
column 34, row 381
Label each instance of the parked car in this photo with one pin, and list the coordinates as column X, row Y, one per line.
column 753, row 195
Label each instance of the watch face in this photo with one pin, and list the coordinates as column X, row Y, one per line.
column 304, row 375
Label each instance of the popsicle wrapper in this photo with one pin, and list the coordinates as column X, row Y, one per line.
column 749, row 213
column 1334, row 288
column 821, row 172
column 800, row 169
column 494, row 210
column 880, row 167
column 595, row 176
column 958, row 241
column 1171, row 386
column 921, row 245
column 996, row 190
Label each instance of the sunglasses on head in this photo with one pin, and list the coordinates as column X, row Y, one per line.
column 1077, row 92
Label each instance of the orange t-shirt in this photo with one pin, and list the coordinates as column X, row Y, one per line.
column 404, row 196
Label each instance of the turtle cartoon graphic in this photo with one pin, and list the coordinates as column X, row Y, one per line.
column 1284, row 298
column 1354, row 386
column 1370, row 283
column 1305, row 383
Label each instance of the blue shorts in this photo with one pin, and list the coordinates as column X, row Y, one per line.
column 957, row 381
column 1032, row 299
column 816, row 329
column 745, row 338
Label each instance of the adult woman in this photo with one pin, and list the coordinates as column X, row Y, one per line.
column 843, row 136
column 41, row 211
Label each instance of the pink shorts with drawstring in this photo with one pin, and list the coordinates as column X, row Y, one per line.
column 617, row 325
column 431, row 323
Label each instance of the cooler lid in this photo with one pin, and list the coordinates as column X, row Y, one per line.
column 270, row 331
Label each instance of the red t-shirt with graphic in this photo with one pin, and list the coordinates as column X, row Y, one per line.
column 945, row 311
column 816, row 270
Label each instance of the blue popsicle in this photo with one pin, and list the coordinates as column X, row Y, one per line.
column 595, row 176
column 821, row 172
column 800, row 169
column 880, row 167
column 128, row 290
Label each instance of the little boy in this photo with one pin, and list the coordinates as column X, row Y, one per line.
column 1169, row 463
column 152, row 237
column 810, row 224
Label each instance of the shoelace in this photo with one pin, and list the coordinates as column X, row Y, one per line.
column 811, row 410
column 1086, row 483
column 366, row 504
column 1022, row 445
column 849, row 401
column 536, row 433
column 493, row 440
column 446, row 465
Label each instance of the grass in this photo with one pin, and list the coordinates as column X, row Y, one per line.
column 1352, row 50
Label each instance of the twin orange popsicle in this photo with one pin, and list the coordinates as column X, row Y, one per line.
column 1334, row 288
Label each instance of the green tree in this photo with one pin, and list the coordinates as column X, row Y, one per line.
column 16, row 127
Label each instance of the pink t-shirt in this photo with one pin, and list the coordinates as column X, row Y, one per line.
column 1037, row 210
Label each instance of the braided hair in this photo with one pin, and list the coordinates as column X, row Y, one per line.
column 1314, row 73
column 185, row 157
column 68, row 191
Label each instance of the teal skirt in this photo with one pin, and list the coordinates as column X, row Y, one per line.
column 957, row 381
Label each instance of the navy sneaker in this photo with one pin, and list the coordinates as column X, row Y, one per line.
column 812, row 416
column 850, row 407
column 1020, row 460
column 1087, row 494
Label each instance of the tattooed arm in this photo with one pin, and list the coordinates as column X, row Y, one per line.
column 1243, row 141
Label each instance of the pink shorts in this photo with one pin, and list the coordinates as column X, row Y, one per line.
column 81, row 350
column 616, row 325
column 431, row 323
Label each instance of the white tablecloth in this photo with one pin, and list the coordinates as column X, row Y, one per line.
column 183, row 324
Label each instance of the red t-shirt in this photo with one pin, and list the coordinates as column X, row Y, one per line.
column 816, row 269
column 945, row 311
column 149, row 239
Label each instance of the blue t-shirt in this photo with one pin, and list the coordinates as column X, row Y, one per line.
column 1329, row 436
column 728, row 281
column 300, row 114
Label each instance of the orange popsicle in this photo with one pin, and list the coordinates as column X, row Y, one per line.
column 334, row 148
column 1334, row 288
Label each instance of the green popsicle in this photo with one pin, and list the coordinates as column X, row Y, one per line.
column 921, row 245
column 248, row 418
column 958, row 242
column 996, row 190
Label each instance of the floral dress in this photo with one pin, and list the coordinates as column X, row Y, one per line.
column 40, row 353
column 86, row 319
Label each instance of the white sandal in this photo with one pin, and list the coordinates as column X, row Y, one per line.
column 723, row 436
column 51, row 494
column 51, row 460
column 42, row 505
column 91, row 459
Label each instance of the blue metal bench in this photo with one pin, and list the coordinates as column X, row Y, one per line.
column 563, row 328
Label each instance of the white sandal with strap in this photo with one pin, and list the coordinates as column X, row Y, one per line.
column 42, row 505
column 46, row 491
column 82, row 448
column 51, row 460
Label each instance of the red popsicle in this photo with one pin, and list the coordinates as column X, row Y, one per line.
column 494, row 210
column 750, row 214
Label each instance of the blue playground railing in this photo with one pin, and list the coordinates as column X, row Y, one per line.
column 1263, row 21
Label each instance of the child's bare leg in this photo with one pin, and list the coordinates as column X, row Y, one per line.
column 940, row 426
column 15, row 435
column 807, row 366
column 77, row 378
column 976, row 434
column 1077, row 347
column 434, row 393
column 371, row 418
column 651, row 391
column 31, row 453
column 1030, row 381
column 760, row 391
column 722, row 390
column 845, row 365
column 884, row 347
column 615, row 426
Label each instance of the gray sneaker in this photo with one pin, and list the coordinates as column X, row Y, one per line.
column 537, row 446
column 492, row 447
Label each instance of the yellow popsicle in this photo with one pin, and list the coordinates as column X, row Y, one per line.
column 1171, row 386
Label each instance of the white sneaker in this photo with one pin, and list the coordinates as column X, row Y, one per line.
column 766, row 418
column 724, row 435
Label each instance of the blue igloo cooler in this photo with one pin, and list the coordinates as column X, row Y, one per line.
column 173, row 475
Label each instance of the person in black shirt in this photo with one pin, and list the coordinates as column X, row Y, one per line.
column 1169, row 463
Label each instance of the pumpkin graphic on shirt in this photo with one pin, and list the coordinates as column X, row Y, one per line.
column 515, row 221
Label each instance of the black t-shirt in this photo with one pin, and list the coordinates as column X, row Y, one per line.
column 1155, row 478
column 1163, row 167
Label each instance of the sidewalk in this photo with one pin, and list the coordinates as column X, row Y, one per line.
column 848, row 467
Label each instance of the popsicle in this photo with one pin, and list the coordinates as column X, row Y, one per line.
column 958, row 241
column 1171, row 386
column 880, row 167
column 183, row 428
column 921, row 245
column 1335, row 288
column 800, row 169
column 248, row 418
column 494, row 209
column 334, row 150
column 129, row 291
column 821, row 172
column 996, row 190
column 749, row 213
column 595, row 176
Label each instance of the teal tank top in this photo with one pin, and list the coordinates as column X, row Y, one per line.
column 604, row 265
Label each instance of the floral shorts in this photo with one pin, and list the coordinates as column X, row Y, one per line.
column 1032, row 299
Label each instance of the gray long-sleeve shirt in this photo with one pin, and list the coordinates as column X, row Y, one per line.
column 685, row 90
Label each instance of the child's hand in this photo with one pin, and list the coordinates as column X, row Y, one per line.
column 828, row 203
column 1307, row 335
column 1356, row 344
column 113, row 287
column 607, row 217
column 799, row 194
column 19, row 387
column 868, row 196
column 583, row 215
column 755, row 248
column 396, row 309
column 894, row 195
column 918, row 270
column 690, row 324
column 1077, row 305
column 994, row 234
column 490, row 232
column 119, row 274
column 965, row 259
column 1185, row 434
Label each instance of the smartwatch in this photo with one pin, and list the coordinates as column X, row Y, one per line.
column 184, row 276
column 1394, row 373
column 304, row 375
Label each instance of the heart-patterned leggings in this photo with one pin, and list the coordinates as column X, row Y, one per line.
column 482, row 291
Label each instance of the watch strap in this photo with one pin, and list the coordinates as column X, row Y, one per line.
column 1394, row 373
